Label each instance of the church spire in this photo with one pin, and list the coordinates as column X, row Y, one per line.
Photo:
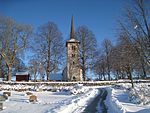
column 72, row 33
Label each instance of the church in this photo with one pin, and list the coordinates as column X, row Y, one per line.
column 73, row 70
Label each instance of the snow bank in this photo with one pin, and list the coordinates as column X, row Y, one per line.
column 50, row 99
column 82, row 96
column 140, row 94
column 124, row 99
column 79, row 103
column 113, row 105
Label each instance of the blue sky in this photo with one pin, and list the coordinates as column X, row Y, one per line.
column 99, row 15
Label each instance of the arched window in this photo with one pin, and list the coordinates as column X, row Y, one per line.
column 73, row 62
column 73, row 47
column 73, row 55
column 74, row 78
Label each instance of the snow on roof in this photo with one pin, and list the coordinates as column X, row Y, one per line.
column 22, row 73
column 73, row 40
column 56, row 76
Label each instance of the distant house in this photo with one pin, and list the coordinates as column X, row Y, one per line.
column 56, row 77
column 22, row 76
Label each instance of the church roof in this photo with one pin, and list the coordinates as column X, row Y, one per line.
column 72, row 33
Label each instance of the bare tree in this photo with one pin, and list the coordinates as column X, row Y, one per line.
column 116, row 62
column 107, row 46
column 42, row 71
column 19, row 65
column 100, row 67
column 137, row 26
column 88, row 45
column 34, row 66
column 126, row 57
column 14, row 38
column 3, row 68
column 50, row 47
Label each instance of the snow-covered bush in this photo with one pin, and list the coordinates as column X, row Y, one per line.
column 118, row 86
column 140, row 94
column 78, row 89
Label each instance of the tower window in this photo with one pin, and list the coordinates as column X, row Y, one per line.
column 73, row 48
column 73, row 55
column 74, row 78
column 73, row 63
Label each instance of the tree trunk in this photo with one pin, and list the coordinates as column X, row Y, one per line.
column 47, row 75
column 9, row 72
column 84, row 76
column 108, row 66
column 103, row 73
column 117, row 74
column 83, row 70
column 48, row 65
column 100, row 76
column 108, row 71
column 129, row 74
column 35, row 77
column 131, row 78
column 109, row 76
column 48, row 59
column 144, row 71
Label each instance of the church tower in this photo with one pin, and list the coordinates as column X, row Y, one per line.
column 74, row 71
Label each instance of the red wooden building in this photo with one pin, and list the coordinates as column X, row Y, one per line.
column 22, row 76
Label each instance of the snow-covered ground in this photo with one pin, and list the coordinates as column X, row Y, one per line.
column 123, row 99
column 53, row 100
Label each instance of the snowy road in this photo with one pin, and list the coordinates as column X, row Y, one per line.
column 98, row 104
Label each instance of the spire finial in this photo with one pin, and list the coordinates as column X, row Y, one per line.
column 72, row 33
